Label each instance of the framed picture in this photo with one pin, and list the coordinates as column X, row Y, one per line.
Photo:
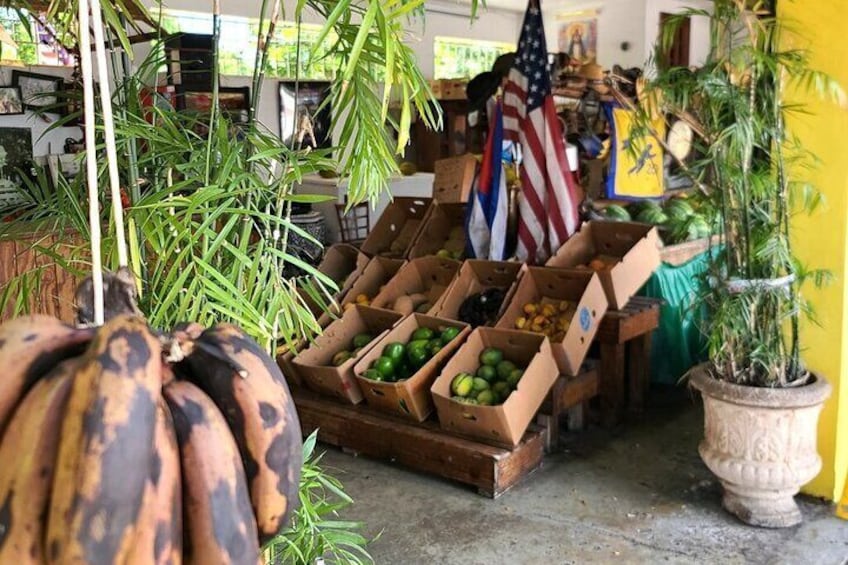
column 37, row 91
column 234, row 101
column 579, row 39
column 11, row 101
column 305, row 114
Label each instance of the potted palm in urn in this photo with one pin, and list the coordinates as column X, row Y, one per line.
column 761, row 403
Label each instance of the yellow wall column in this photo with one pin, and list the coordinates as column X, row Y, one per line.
column 821, row 240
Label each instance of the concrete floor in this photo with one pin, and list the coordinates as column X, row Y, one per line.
column 639, row 494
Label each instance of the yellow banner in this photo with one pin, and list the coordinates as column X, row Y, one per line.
column 636, row 166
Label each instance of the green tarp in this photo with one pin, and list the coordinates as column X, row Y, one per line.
column 678, row 343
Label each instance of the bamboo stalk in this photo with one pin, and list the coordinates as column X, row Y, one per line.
column 109, row 131
column 90, row 161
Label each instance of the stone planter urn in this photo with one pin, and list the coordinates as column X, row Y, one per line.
column 761, row 444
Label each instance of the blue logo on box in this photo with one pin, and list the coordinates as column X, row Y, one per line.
column 585, row 319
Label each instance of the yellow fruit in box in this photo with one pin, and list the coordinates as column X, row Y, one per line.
column 520, row 323
column 530, row 309
column 563, row 305
column 563, row 324
column 548, row 310
column 362, row 299
column 536, row 328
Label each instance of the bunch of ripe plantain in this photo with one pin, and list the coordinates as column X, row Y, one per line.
column 116, row 450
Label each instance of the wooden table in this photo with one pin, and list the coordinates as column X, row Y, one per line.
column 423, row 447
column 625, row 342
column 568, row 397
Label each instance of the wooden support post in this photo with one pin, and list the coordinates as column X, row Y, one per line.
column 612, row 383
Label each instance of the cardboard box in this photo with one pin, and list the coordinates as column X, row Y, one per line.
column 410, row 398
column 314, row 364
column 430, row 276
column 377, row 273
column 544, row 284
column 443, row 228
column 503, row 424
column 395, row 231
column 453, row 179
column 475, row 276
column 284, row 361
column 636, row 246
column 343, row 262
column 449, row 89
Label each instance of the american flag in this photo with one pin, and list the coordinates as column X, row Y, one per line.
column 548, row 201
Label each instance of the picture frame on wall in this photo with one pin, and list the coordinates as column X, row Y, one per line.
column 11, row 101
column 232, row 100
column 38, row 92
column 305, row 114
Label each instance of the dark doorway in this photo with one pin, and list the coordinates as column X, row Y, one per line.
column 678, row 54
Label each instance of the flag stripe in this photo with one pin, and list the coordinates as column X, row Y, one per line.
column 548, row 201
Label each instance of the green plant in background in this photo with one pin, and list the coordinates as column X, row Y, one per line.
column 748, row 169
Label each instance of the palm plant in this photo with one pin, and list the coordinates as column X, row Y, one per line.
column 209, row 212
column 748, row 170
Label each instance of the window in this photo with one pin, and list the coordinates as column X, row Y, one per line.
column 41, row 50
column 238, row 45
column 456, row 57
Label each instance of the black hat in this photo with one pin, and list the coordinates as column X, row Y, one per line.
column 481, row 88
column 503, row 64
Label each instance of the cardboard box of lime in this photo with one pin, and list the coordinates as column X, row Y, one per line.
column 396, row 374
column 327, row 366
column 494, row 384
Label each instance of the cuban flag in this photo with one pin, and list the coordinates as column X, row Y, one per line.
column 487, row 213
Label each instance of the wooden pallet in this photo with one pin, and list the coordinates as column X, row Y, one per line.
column 423, row 447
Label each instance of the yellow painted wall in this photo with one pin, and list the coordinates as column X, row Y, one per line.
column 821, row 240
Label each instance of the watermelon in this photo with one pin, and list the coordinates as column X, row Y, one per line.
column 639, row 206
column 616, row 213
column 653, row 216
column 678, row 209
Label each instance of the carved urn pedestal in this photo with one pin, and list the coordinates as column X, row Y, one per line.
column 761, row 444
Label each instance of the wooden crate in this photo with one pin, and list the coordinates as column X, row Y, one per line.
column 423, row 447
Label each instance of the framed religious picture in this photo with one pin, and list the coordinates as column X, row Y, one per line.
column 233, row 101
column 579, row 39
column 305, row 114
column 38, row 92
column 11, row 101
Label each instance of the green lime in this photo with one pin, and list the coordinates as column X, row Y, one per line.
column 491, row 356
column 513, row 377
column 340, row 358
column 373, row 374
column 434, row 346
column 395, row 351
column 486, row 397
column 504, row 369
column 386, row 366
column 417, row 343
column 502, row 390
column 423, row 333
column 417, row 356
column 449, row 334
column 362, row 340
column 479, row 384
column 462, row 384
column 404, row 371
column 487, row 373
